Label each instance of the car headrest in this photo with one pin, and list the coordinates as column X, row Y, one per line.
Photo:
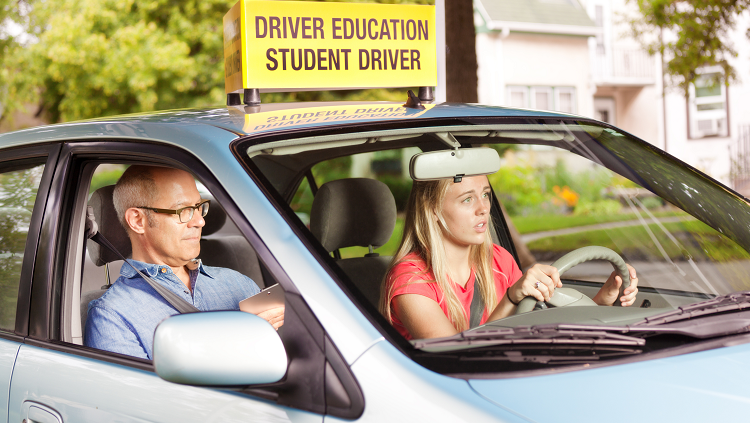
column 109, row 226
column 353, row 212
column 215, row 218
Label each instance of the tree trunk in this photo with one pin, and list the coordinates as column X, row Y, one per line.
column 462, row 80
column 460, row 55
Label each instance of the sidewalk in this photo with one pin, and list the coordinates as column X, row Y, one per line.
column 526, row 238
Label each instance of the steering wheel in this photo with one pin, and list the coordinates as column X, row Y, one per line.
column 563, row 297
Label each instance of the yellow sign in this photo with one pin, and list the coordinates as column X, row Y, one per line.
column 259, row 122
column 233, row 49
column 291, row 45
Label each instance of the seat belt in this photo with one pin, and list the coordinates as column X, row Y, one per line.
column 477, row 305
column 92, row 233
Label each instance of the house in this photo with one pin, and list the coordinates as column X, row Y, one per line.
column 578, row 57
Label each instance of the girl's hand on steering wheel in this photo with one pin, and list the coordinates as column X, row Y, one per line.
column 539, row 282
column 611, row 289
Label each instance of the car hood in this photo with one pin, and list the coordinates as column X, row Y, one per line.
column 704, row 386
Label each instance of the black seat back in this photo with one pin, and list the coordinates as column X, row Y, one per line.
column 356, row 212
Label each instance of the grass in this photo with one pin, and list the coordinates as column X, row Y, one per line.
column 531, row 224
column 525, row 224
column 695, row 240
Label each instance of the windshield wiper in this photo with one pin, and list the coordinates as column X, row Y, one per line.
column 591, row 337
column 527, row 336
column 536, row 345
column 725, row 303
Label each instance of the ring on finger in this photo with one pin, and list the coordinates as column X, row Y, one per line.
column 536, row 285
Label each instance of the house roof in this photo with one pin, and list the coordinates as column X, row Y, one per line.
column 547, row 16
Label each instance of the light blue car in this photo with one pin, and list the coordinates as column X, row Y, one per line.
column 680, row 353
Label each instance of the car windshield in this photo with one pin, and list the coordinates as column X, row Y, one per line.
column 563, row 185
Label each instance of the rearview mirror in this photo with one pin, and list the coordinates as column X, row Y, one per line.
column 222, row 348
column 455, row 163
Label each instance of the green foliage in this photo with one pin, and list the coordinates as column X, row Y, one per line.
column 105, row 57
column 330, row 170
column 519, row 189
column 109, row 57
column 17, row 194
column 15, row 11
column 551, row 222
column 106, row 177
column 652, row 203
column 702, row 35
column 597, row 208
column 388, row 249
column 588, row 184
column 400, row 188
column 525, row 190
column 697, row 241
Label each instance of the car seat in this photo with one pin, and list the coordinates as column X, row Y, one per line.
column 229, row 249
column 356, row 212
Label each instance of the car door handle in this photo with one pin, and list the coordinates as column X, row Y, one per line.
column 39, row 413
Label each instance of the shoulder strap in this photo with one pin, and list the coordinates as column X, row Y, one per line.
column 477, row 304
column 92, row 232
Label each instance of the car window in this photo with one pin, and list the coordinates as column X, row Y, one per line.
column 560, row 201
column 18, row 191
column 389, row 166
column 565, row 186
column 222, row 246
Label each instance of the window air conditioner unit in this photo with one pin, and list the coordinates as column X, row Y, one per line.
column 708, row 127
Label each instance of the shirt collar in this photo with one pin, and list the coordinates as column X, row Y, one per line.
column 152, row 270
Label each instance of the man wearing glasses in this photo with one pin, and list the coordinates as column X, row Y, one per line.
column 162, row 213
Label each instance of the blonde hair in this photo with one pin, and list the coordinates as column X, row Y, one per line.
column 423, row 235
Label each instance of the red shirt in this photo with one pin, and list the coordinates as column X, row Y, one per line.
column 412, row 268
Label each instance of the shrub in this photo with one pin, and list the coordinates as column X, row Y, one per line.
column 400, row 188
column 519, row 189
column 598, row 208
column 652, row 203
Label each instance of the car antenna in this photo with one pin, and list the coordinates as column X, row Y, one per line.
column 413, row 102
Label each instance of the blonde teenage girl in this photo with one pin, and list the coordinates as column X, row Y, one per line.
column 447, row 253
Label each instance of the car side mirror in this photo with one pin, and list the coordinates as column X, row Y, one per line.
column 224, row 348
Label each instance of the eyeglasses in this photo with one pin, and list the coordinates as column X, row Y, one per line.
column 186, row 213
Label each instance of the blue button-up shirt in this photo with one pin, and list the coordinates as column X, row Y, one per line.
column 125, row 318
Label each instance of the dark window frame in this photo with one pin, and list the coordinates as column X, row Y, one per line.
column 303, row 331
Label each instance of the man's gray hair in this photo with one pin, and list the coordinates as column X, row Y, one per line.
column 136, row 187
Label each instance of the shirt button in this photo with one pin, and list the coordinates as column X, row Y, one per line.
column 187, row 292
column 164, row 270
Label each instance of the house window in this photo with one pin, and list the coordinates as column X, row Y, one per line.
column 566, row 99
column 707, row 111
column 561, row 99
column 518, row 97
column 541, row 98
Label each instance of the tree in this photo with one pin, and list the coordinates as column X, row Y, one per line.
column 692, row 34
column 461, row 55
column 105, row 57
column 13, row 18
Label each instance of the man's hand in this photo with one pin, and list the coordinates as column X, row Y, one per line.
column 274, row 316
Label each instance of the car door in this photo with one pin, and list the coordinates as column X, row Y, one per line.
column 56, row 380
column 24, row 179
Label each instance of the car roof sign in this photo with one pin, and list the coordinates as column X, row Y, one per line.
column 265, row 121
column 289, row 46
